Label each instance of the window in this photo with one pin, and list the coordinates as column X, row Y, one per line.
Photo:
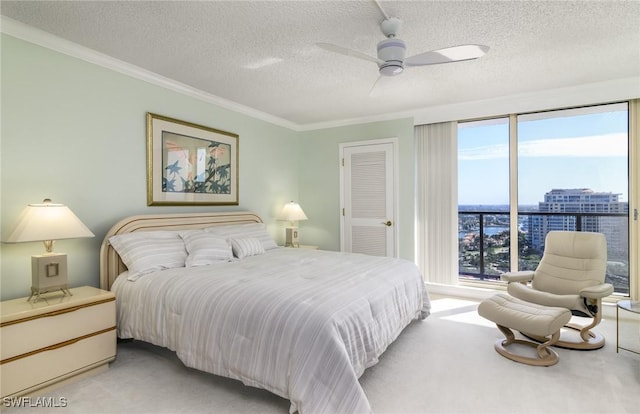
column 571, row 173
column 483, row 192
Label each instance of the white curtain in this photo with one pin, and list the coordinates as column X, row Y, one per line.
column 436, row 253
column 634, row 197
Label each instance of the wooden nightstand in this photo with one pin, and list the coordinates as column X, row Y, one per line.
column 54, row 339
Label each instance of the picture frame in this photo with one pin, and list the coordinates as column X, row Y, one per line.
column 190, row 164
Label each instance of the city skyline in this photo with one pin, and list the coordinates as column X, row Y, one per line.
column 487, row 233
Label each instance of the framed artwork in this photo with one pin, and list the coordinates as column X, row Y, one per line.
column 189, row 164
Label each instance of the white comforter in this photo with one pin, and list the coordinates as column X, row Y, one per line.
column 303, row 324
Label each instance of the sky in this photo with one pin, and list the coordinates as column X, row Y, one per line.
column 581, row 148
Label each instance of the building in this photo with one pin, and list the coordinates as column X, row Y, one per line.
column 586, row 210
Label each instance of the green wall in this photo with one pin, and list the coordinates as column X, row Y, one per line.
column 320, row 181
column 75, row 132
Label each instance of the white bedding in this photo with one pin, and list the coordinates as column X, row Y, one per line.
column 303, row 324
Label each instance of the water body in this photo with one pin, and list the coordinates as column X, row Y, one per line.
column 488, row 231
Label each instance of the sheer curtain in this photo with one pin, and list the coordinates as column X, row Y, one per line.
column 436, row 148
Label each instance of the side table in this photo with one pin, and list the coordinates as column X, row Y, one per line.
column 629, row 306
column 55, row 339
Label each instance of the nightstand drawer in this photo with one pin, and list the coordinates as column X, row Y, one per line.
column 41, row 331
column 52, row 365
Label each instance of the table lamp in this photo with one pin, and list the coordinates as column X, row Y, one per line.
column 48, row 222
column 293, row 213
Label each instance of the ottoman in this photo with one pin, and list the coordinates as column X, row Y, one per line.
column 510, row 313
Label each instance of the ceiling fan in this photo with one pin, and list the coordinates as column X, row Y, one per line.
column 391, row 59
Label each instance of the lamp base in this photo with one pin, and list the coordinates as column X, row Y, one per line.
column 48, row 273
column 37, row 292
column 292, row 239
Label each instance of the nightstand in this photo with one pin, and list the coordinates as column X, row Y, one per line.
column 55, row 339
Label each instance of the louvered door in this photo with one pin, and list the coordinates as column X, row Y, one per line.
column 368, row 184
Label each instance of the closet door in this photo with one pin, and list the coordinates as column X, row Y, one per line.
column 368, row 183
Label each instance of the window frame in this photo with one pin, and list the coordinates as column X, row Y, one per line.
column 633, row 180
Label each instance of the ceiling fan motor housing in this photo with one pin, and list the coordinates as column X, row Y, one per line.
column 392, row 52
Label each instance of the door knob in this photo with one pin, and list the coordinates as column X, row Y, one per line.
column 388, row 223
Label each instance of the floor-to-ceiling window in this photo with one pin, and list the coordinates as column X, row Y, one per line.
column 483, row 198
column 571, row 173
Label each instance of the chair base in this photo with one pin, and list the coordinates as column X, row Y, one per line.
column 546, row 357
column 594, row 340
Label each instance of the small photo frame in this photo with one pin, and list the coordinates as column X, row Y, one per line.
column 189, row 164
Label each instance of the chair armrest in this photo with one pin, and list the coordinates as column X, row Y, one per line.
column 521, row 276
column 597, row 292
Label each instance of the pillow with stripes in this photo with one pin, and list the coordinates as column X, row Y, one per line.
column 243, row 231
column 205, row 248
column 246, row 247
column 149, row 251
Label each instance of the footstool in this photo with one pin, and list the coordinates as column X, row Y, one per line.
column 509, row 313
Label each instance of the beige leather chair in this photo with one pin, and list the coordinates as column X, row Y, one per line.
column 570, row 275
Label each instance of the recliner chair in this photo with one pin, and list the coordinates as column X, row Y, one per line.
column 570, row 275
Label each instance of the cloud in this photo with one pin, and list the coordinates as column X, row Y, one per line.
column 489, row 152
column 611, row 145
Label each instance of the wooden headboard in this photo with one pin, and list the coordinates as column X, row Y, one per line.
column 110, row 263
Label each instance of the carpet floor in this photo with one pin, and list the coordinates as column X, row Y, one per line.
column 444, row 364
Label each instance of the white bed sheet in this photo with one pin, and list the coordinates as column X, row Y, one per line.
column 303, row 324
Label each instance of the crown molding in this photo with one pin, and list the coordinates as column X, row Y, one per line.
column 613, row 90
column 392, row 116
column 39, row 37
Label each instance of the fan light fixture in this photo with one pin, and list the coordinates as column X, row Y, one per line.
column 391, row 58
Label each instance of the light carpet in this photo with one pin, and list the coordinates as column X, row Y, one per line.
column 444, row 364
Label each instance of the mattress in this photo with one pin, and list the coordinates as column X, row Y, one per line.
column 303, row 324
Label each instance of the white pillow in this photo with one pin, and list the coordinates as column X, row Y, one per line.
column 205, row 248
column 148, row 251
column 243, row 231
column 246, row 247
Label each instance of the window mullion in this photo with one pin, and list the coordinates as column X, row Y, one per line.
column 513, row 191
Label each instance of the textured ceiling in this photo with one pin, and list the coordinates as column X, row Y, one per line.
column 262, row 54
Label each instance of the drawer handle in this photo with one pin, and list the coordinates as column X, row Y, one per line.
column 63, row 311
column 62, row 344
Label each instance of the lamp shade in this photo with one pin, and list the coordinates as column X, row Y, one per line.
column 48, row 221
column 292, row 212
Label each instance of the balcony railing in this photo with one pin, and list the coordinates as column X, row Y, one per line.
column 484, row 241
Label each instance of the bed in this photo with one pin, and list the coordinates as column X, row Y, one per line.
column 303, row 324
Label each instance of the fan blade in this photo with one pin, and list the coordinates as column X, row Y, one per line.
column 446, row 55
column 381, row 86
column 348, row 52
